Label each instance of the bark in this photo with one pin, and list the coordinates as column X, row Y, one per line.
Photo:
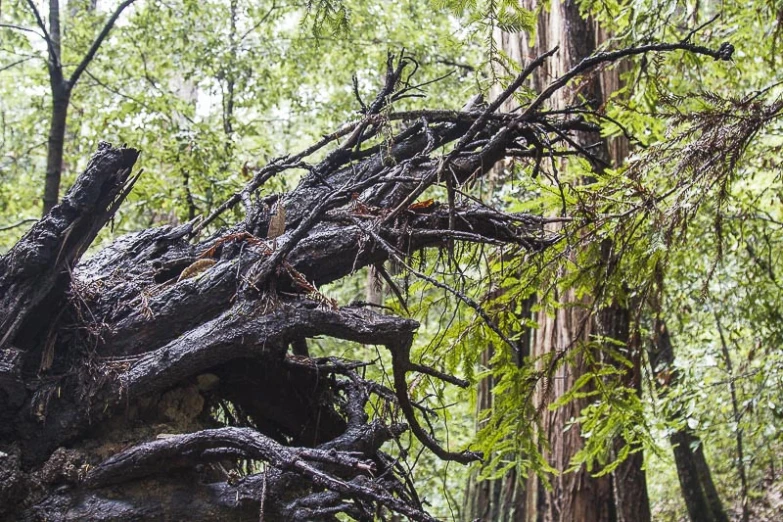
column 153, row 380
column 36, row 272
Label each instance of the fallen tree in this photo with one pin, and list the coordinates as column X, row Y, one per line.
column 111, row 365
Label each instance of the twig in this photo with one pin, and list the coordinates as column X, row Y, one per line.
column 18, row 224
column 702, row 26
column 23, row 29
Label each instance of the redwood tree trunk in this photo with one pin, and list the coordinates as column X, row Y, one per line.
column 577, row 496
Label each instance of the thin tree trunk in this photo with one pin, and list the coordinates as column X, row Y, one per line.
column 698, row 490
column 737, row 415
column 629, row 479
column 230, row 81
column 480, row 492
column 54, row 158
column 61, row 98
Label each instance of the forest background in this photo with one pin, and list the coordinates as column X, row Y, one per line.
column 211, row 91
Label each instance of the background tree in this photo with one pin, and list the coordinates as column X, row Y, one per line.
column 573, row 324
column 62, row 82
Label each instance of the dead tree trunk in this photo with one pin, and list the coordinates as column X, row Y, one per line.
column 154, row 380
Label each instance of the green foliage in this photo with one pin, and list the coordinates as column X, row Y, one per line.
column 690, row 229
column 507, row 15
column 328, row 14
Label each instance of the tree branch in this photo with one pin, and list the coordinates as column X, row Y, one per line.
column 160, row 455
column 23, row 29
column 724, row 53
column 18, row 224
column 97, row 43
column 54, row 57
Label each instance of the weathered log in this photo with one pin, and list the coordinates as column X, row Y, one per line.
column 155, row 331
column 208, row 324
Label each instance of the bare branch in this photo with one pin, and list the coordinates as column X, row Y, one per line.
column 146, row 459
column 23, row 29
column 724, row 53
column 14, row 64
column 54, row 57
column 18, row 224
